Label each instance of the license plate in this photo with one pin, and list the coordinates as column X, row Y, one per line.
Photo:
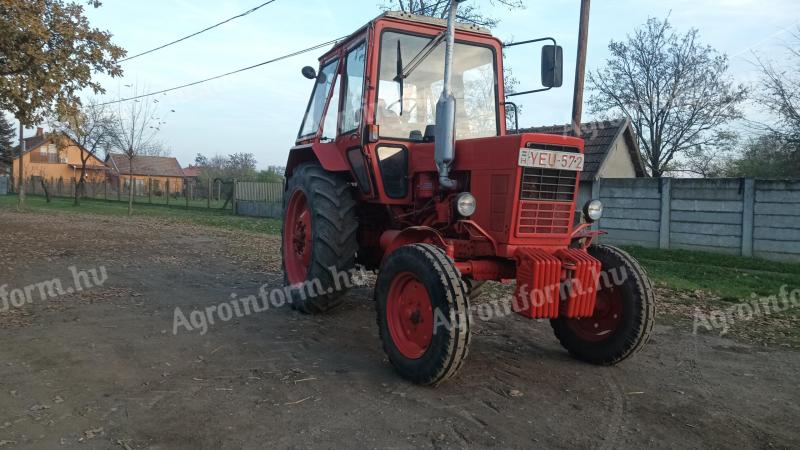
column 550, row 159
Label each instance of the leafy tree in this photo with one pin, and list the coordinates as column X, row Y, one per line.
column 48, row 55
column 241, row 165
column 766, row 156
column 674, row 89
column 91, row 128
column 7, row 136
column 269, row 176
column 200, row 160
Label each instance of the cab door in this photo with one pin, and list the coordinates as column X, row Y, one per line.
column 350, row 139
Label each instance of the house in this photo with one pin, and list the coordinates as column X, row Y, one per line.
column 45, row 158
column 610, row 149
column 193, row 172
column 163, row 172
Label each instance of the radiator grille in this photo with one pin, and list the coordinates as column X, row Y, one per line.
column 548, row 184
column 544, row 218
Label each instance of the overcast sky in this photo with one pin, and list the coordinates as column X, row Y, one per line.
column 259, row 111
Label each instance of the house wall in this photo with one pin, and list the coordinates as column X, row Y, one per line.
column 618, row 163
column 47, row 170
column 159, row 183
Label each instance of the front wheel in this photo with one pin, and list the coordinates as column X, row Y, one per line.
column 423, row 314
column 623, row 316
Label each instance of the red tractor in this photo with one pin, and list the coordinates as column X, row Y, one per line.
column 403, row 165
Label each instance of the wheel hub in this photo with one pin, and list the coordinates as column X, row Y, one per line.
column 297, row 238
column 409, row 315
column 606, row 319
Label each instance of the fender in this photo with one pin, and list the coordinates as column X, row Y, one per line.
column 329, row 157
column 391, row 240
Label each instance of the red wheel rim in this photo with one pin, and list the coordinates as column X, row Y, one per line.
column 606, row 319
column 409, row 314
column 297, row 238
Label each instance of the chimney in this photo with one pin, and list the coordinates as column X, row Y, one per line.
column 39, row 131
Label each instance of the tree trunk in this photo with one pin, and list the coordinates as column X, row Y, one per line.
column 130, row 187
column 20, row 172
column 44, row 188
column 81, row 183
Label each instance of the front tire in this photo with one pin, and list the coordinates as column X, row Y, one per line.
column 318, row 238
column 423, row 314
column 623, row 317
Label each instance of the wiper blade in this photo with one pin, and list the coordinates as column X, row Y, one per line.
column 404, row 72
column 424, row 53
column 399, row 77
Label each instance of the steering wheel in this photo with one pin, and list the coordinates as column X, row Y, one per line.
column 405, row 110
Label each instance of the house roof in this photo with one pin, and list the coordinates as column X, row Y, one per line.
column 155, row 166
column 36, row 141
column 32, row 143
column 599, row 139
column 192, row 171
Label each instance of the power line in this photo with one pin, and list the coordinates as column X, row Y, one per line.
column 199, row 32
column 279, row 58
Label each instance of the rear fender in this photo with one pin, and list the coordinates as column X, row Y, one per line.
column 329, row 158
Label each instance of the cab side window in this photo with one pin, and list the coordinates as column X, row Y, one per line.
column 354, row 89
column 316, row 105
column 332, row 114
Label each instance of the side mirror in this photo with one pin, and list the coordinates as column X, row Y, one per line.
column 311, row 74
column 552, row 66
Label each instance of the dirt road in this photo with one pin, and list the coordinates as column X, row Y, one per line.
column 101, row 368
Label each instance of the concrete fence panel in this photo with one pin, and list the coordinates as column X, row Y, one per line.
column 735, row 216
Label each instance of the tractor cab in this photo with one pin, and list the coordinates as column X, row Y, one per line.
column 403, row 164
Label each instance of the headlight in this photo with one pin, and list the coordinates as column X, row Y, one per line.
column 466, row 204
column 593, row 210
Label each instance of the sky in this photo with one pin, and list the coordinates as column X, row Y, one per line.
column 259, row 111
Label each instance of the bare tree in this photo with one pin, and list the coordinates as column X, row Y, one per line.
column 134, row 134
column 89, row 127
column 468, row 13
column 780, row 96
column 674, row 89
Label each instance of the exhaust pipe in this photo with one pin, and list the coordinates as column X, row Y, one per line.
column 445, row 136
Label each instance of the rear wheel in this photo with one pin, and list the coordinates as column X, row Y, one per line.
column 318, row 238
column 423, row 313
column 623, row 317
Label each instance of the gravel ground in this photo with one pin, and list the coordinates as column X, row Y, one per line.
column 101, row 367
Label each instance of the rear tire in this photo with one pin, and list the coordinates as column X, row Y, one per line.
column 423, row 314
column 624, row 314
column 318, row 234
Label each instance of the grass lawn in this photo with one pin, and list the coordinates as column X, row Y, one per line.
column 197, row 216
column 732, row 278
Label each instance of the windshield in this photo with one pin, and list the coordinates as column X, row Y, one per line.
column 473, row 87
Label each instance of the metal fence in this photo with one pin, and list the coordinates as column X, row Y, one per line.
column 177, row 192
column 4, row 184
column 258, row 199
column 738, row 216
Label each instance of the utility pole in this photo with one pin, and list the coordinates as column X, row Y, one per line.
column 20, row 171
column 580, row 68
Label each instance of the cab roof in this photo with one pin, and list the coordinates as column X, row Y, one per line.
column 414, row 18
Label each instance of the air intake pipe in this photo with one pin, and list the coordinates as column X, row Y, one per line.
column 445, row 139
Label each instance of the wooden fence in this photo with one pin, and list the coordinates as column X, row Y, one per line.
column 258, row 199
column 190, row 192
